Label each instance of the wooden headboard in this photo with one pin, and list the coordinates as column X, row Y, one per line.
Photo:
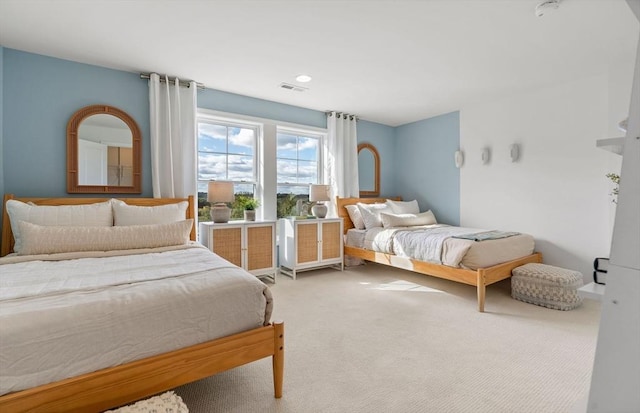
column 343, row 202
column 7, row 235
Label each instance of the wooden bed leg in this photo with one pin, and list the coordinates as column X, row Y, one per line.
column 481, row 290
column 278, row 358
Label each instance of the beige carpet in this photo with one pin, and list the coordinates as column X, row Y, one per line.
column 378, row 339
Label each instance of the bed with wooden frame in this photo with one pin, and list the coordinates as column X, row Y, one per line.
column 480, row 278
column 122, row 384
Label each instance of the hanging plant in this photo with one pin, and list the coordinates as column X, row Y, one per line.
column 615, row 178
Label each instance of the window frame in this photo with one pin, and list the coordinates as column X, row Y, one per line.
column 308, row 133
column 298, row 132
column 266, row 185
column 232, row 123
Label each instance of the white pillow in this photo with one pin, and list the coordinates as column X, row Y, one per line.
column 356, row 216
column 124, row 214
column 402, row 207
column 39, row 239
column 90, row 215
column 407, row 220
column 371, row 214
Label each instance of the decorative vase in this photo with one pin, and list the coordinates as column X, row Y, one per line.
column 319, row 210
column 249, row 215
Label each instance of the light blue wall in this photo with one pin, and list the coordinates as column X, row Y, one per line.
column 1, row 129
column 40, row 95
column 383, row 138
column 244, row 105
column 426, row 171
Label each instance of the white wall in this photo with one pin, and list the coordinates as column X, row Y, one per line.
column 557, row 190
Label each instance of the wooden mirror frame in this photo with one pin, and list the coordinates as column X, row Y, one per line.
column 72, row 152
column 376, row 167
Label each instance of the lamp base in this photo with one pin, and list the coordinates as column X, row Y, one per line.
column 220, row 213
column 319, row 210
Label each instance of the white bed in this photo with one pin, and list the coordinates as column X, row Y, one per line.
column 90, row 330
column 466, row 261
column 453, row 252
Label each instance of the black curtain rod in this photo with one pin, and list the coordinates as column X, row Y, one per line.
column 163, row 79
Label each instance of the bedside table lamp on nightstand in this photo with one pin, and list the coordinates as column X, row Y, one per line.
column 319, row 194
column 220, row 192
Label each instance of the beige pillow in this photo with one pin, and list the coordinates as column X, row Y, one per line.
column 404, row 207
column 90, row 215
column 124, row 214
column 37, row 239
column 407, row 220
column 355, row 215
column 371, row 214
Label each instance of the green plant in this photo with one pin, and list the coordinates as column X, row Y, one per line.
column 615, row 178
column 286, row 205
column 246, row 202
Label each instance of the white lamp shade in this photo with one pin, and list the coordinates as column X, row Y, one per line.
column 220, row 191
column 319, row 193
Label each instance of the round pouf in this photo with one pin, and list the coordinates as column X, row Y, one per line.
column 547, row 286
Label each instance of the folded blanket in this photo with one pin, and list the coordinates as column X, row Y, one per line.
column 483, row 236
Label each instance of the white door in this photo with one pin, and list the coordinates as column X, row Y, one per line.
column 92, row 163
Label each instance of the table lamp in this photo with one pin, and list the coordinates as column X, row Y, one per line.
column 319, row 194
column 220, row 192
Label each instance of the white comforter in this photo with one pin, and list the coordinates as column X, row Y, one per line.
column 437, row 244
column 424, row 243
column 68, row 314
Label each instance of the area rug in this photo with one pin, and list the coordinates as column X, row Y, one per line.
column 168, row 402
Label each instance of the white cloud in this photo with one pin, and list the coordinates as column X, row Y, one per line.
column 242, row 137
column 212, row 131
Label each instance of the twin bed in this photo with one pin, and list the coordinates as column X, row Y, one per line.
column 128, row 306
column 462, row 260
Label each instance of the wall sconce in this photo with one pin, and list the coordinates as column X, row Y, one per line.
column 458, row 158
column 486, row 156
column 220, row 192
column 514, row 152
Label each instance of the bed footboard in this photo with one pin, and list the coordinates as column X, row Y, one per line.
column 490, row 275
column 479, row 278
column 117, row 386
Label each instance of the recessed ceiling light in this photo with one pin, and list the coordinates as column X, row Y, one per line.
column 303, row 78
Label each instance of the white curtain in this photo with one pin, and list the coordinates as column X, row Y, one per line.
column 341, row 171
column 173, row 137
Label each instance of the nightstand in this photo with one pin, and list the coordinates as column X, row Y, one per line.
column 307, row 244
column 248, row 244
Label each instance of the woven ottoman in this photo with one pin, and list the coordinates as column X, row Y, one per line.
column 546, row 286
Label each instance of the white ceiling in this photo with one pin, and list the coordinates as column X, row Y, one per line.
column 391, row 62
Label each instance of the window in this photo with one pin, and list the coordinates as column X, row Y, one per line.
column 299, row 165
column 226, row 152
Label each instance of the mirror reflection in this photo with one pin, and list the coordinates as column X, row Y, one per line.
column 368, row 170
column 105, row 151
column 366, row 165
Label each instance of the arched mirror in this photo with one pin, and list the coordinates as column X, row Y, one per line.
column 368, row 170
column 103, row 152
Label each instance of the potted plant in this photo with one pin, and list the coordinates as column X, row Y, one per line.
column 249, row 205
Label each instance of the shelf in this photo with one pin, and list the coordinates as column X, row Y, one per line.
column 592, row 290
column 615, row 145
